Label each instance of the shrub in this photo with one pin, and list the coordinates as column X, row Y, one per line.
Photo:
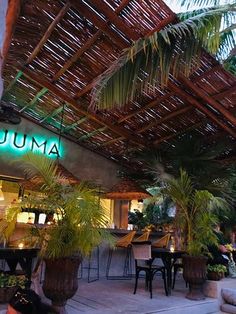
column 218, row 268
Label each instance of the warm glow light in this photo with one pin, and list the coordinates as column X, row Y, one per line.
column 42, row 218
column 1, row 192
column 21, row 245
column 172, row 248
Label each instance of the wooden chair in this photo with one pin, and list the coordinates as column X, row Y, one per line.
column 123, row 243
column 162, row 242
column 143, row 263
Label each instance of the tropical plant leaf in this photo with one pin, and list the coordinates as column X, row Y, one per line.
column 150, row 61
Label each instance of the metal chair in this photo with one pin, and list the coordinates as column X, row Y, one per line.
column 162, row 242
column 143, row 263
column 91, row 264
column 125, row 244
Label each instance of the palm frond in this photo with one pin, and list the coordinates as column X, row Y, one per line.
column 203, row 3
column 150, row 60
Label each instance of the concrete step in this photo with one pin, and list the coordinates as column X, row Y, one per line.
column 208, row 306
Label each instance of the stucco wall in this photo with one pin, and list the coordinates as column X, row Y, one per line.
column 83, row 163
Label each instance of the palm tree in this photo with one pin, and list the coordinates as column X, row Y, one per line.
column 195, row 212
column 81, row 219
column 201, row 160
column 175, row 50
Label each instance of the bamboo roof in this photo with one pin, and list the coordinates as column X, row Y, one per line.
column 127, row 189
column 59, row 48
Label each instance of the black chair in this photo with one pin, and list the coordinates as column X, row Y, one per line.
column 177, row 266
column 91, row 265
column 143, row 263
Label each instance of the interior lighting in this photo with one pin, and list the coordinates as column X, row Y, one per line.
column 1, row 192
column 21, row 245
column 172, row 248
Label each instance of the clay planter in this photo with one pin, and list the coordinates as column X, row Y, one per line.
column 61, row 280
column 212, row 275
column 194, row 273
column 7, row 293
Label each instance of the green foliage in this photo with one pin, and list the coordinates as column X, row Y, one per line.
column 7, row 224
column 176, row 49
column 218, row 268
column 80, row 215
column 194, row 213
column 200, row 159
column 137, row 218
column 7, row 280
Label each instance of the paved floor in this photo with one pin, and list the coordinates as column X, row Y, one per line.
column 115, row 297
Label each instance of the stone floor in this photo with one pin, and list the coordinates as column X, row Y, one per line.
column 116, row 296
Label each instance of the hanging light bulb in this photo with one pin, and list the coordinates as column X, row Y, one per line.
column 1, row 192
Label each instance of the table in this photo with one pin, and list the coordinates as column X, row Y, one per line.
column 168, row 259
column 23, row 256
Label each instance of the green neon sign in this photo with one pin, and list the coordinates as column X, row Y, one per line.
column 23, row 143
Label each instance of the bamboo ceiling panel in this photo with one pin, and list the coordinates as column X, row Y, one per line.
column 58, row 50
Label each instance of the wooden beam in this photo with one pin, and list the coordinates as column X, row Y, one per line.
column 194, row 102
column 114, row 19
column 161, row 25
column 42, row 92
column 112, row 141
column 63, row 96
column 209, row 100
column 151, row 104
column 86, row 45
column 89, row 14
column 12, row 14
column 159, row 121
column 91, row 134
column 52, row 114
column 77, row 55
column 170, row 19
column 74, row 125
column 207, row 72
column 165, row 118
column 16, row 78
column 230, row 90
column 182, row 131
column 49, row 31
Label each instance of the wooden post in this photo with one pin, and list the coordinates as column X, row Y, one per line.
column 9, row 11
column 3, row 10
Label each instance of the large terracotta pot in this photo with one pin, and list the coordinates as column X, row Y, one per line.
column 61, row 280
column 195, row 274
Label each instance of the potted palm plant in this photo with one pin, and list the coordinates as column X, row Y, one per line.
column 76, row 231
column 195, row 216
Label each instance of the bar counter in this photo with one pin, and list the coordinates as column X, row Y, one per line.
column 118, row 258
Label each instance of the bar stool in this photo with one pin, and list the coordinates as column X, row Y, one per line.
column 92, row 263
column 162, row 242
column 125, row 244
column 143, row 237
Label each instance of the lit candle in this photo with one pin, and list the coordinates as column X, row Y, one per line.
column 172, row 248
column 21, row 245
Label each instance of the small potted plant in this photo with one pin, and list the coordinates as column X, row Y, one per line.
column 216, row 272
column 9, row 284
